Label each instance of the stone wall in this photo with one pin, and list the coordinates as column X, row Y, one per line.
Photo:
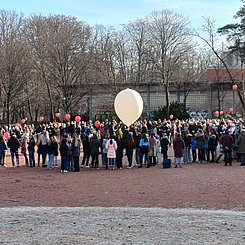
column 199, row 99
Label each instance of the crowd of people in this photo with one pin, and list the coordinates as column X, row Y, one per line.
column 145, row 143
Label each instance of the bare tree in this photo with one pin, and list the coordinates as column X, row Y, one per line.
column 103, row 50
column 60, row 44
column 14, row 61
column 135, row 32
column 191, row 72
column 168, row 41
column 209, row 29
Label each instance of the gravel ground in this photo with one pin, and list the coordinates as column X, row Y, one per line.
column 97, row 225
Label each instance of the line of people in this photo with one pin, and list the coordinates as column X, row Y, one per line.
column 142, row 143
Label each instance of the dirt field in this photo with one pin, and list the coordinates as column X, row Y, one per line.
column 207, row 186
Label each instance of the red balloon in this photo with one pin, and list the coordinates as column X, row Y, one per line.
column 221, row 112
column 23, row 121
column 216, row 113
column 41, row 118
column 97, row 124
column 6, row 135
column 78, row 119
column 171, row 116
column 67, row 117
column 57, row 114
column 235, row 87
column 231, row 110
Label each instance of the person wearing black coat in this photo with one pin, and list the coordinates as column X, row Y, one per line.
column 64, row 155
column 119, row 151
column 52, row 150
column 31, row 149
column 75, row 145
column 14, row 144
column 164, row 146
column 86, row 150
column 212, row 144
column 94, row 151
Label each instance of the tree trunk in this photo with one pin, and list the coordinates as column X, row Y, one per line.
column 167, row 98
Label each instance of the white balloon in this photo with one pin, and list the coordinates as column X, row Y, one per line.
column 128, row 105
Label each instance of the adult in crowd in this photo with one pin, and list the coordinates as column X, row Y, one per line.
column 137, row 147
column 152, row 150
column 200, row 138
column 52, row 150
column 194, row 148
column 24, row 146
column 212, row 144
column 44, row 138
column 178, row 146
column 14, row 144
column 63, row 154
column 187, row 140
column 227, row 142
column 69, row 154
column 164, row 146
column 241, row 146
column 3, row 148
column 104, row 150
column 120, row 148
column 129, row 145
column 31, row 150
column 76, row 145
column 144, row 151
column 94, row 151
column 86, row 151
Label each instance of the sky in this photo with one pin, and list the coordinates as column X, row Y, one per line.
column 118, row 12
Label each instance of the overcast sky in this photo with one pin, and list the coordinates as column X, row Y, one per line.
column 117, row 12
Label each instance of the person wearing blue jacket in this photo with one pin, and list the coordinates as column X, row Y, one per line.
column 144, row 150
column 3, row 148
column 194, row 148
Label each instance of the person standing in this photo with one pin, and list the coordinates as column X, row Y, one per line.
column 194, row 148
column 129, row 145
column 94, row 151
column 164, row 146
column 24, row 145
column 111, row 147
column 52, row 151
column 104, row 150
column 212, row 144
column 63, row 154
column 31, row 150
column 69, row 156
column 178, row 146
column 152, row 150
column 187, row 140
column 75, row 145
column 13, row 145
column 3, row 148
column 120, row 148
column 241, row 146
column 44, row 137
column 137, row 148
column 200, row 145
column 144, row 150
column 86, row 151
column 227, row 141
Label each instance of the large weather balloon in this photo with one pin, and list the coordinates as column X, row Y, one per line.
column 128, row 105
